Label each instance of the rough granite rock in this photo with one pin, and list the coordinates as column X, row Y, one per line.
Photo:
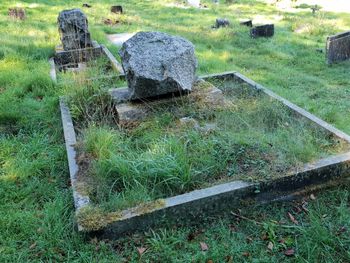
column 156, row 64
column 73, row 28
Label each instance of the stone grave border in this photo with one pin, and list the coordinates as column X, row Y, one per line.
column 188, row 208
column 93, row 52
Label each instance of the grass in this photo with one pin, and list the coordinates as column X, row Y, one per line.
column 36, row 207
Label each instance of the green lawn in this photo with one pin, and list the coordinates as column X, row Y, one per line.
column 36, row 206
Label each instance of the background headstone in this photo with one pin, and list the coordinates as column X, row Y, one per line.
column 262, row 31
column 156, row 64
column 17, row 13
column 117, row 9
column 248, row 23
column 73, row 28
column 222, row 22
column 338, row 47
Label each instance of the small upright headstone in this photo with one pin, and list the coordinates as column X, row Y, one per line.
column 222, row 22
column 73, row 28
column 262, row 31
column 117, row 9
column 248, row 23
column 17, row 13
column 338, row 47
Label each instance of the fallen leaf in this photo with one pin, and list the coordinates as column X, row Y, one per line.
column 249, row 240
column 281, row 241
column 297, row 209
column 232, row 228
column 141, row 250
column 270, row 246
column 204, row 246
column 312, row 197
column 32, row 246
column 229, row 259
column 291, row 217
column 289, row 252
column 246, row 254
column 265, row 237
column 304, row 207
column 341, row 230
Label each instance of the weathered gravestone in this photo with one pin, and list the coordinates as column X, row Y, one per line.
column 248, row 23
column 77, row 46
column 156, row 64
column 73, row 29
column 117, row 9
column 262, row 31
column 222, row 22
column 17, row 13
column 338, row 47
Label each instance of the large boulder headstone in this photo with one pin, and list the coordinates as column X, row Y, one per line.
column 262, row 31
column 338, row 47
column 156, row 64
column 73, row 28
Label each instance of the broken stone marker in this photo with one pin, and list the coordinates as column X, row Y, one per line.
column 263, row 31
column 73, row 28
column 338, row 47
column 248, row 23
column 17, row 13
column 156, row 64
column 117, row 9
column 222, row 22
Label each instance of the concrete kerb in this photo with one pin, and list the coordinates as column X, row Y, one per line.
column 104, row 51
column 222, row 197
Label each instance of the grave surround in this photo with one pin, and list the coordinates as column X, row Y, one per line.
column 183, row 209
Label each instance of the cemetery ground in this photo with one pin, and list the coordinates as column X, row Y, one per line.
column 36, row 206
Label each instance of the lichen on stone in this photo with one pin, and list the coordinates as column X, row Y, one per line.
column 149, row 206
column 92, row 218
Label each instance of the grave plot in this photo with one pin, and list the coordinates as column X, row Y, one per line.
column 79, row 57
column 229, row 142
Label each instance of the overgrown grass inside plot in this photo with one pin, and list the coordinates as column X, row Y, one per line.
column 249, row 136
column 83, row 72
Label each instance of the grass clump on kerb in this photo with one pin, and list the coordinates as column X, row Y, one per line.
column 255, row 138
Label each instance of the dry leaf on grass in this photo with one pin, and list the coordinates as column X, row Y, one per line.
column 291, row 217
column 141, row 250
column 289, row 252
column 270, row 246
column 204, row 246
